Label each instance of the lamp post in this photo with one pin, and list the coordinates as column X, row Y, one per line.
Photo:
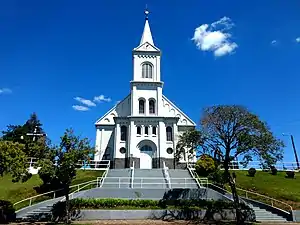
column 294, row 148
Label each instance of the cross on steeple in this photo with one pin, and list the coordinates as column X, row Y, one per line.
column 146, row 12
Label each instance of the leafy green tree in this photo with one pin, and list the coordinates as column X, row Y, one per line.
column 188, row 144
column 13, row 160
column 17, row 133
column 236, row 132
column 59, row 167
column 205, row 165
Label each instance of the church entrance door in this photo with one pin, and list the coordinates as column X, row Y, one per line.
column 146, row 157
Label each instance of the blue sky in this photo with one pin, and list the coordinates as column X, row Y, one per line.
column 54, row 51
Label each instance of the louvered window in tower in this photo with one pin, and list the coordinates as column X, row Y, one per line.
column 147, row 70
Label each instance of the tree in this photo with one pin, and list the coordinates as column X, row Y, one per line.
column 236, row 132
column 17, row 133
column 13, row 160
column 59, row 167
column 188, row 144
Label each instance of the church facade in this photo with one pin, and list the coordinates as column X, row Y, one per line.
column 144, row 127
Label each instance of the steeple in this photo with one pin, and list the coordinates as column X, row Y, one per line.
column 147, row 36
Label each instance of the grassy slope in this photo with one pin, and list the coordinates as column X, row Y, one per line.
column 276, row 186
column 17, row 191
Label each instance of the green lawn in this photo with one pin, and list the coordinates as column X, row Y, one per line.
column 17, row 191
column 276, row 186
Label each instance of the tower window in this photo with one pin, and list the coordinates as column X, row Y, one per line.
column 138, row 130
column 141, row 106
column 169, row 134
column 146, row 130
column 147, row 70
column 154, row 130
column 123, row 133
column 151, row 106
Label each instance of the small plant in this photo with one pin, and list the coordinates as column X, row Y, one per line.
column 7, row 212
column 290, row 174
column 274, row 170
column 252, row 172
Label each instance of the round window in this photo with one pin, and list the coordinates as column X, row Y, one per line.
column 169, row 150
column 123, row 150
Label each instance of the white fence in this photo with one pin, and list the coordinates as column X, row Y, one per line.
column 151, row 182
column 84, row 165
column 237, row 165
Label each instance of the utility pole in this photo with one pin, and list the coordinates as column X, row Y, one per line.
column 295, row 152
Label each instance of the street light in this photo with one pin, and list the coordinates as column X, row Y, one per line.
column 294, row 148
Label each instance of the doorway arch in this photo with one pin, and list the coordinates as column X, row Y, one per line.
column 147, row 153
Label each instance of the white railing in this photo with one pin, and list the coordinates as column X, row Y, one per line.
column 237, row 165
column 132, row 174
column 166, row 174
column 90, row 165
column 53, row 193
column 152, row 182
column 101, row 179
column 199, row 181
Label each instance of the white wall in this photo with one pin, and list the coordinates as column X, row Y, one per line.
column 103, row 136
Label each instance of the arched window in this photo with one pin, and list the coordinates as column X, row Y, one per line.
column 123, row 133
column 139, row 130
column 169, row 134
column 146, row 130
column 151, row 106
column 146, row 70
column 141, row 106
column 154, row 130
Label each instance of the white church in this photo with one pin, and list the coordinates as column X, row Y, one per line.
column 144, row 127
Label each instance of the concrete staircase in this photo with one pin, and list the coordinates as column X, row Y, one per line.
column 149, row 179
column 182, row 179
column 117, row 178
column 263, row 215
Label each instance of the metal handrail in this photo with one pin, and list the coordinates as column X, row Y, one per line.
column 254, row 193
column 266, row 197
column 191, row 169
column 47, row 193
column 132, row 174
column 143, row 181
column 166, row 174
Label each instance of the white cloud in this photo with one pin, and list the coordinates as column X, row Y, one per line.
column 215, row 37
column 298, row 39
column 5, row 91
column 80, row 108
column 102, row 98
column 85, row 101
column 274, row 42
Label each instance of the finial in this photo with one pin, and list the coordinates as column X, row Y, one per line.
column 146, row 12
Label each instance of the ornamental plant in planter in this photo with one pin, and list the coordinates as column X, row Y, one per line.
column 290, row 174
column 251, row 172
column 273, row 170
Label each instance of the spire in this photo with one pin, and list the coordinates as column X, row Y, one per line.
column 147, row 36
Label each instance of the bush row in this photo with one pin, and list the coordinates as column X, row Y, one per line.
column 142, row 203
column 289, row 173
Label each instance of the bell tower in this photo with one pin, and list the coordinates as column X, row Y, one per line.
column 146, row 84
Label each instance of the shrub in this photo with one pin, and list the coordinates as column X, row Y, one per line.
column 290, row 174
column 273, row 170
column 7, row 212
column 205, row 165
column 251, row 172
column 218, row 178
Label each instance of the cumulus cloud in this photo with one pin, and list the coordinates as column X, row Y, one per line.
column 80, row 108
column 101, row 98
column 85, row 101
column 5, row 91
column 298, row 39
column 215, row 37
